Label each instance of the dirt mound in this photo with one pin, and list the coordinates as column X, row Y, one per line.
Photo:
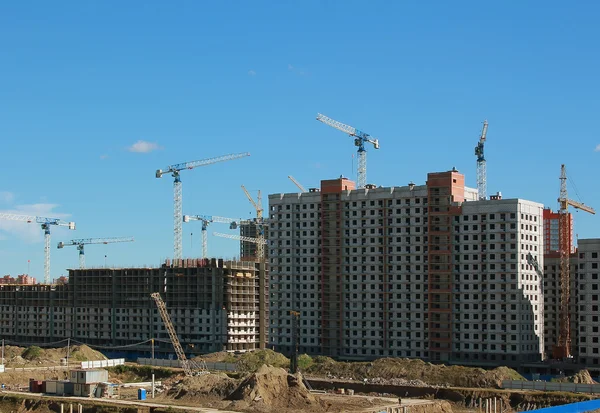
column 218, row 357
column 581, row 377
column 273, row 387
column 253, row 360
column 412, row 370
column 85, row 353
column 217, row 385
column 50, row 356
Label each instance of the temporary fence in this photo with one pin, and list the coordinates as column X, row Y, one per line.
column 102, row 363
column 551, row 386
column 177, row 364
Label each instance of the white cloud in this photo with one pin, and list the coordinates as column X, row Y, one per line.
column 29, row 232
column 296, row 70
column 143, row 147
column 251, row 73
column 6, row 197
column 103, row 157
column 597, row 149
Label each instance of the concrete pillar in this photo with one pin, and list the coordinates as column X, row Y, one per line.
column 62, row 408
column 70, row 408
column 495, row 405
column 79, row 408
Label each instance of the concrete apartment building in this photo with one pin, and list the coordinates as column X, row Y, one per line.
column 415, row 271
column 212, row 303
column 587, row 340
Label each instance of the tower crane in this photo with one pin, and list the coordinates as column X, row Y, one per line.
column 46, row 223
column 481, row 164
column 531, row 260
column 295, row 341
column 360, row 138
column 300, row 187
column 190, row 367
column 240, row 238
column 206, row 221
column 84, row 241
column 175, row 170
column 563, row 346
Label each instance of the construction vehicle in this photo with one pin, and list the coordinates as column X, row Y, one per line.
column 80, row 243
column 562, row 349
column 481, row 164
column 300, row 187
column 190, row 367
column 206, row 221
column 360, row 138
column 46, row 223
column 295, row 341
column 175, row 170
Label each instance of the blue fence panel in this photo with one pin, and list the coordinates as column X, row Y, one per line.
column 572, row 407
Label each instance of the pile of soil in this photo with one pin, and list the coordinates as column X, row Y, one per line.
column 274, row 388
column 581, row 377
column 50, row 356
column 387, row 369
column 211, row 385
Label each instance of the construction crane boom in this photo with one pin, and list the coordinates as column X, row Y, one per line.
column 360, row 138
column 481, row 164
column 300, row 187
column 189, row 366
column 174, row 170
column 563, row 346
column 240, row 238
column 295, row 341
column 80, row 243
column 46, row 223
column 206, row 221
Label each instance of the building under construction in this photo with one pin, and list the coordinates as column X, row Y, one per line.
column 213, row 305
column 425, row 271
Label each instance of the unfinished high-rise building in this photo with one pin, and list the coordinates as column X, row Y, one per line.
column 425, row 271
column 213, row 305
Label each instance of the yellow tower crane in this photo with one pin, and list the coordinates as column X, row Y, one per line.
column 562, row 349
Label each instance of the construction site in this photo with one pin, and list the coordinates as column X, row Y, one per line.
column 346, row 297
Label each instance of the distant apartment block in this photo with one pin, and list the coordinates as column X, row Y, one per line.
column 212, row 303
column 422, row 271
column 22, row 279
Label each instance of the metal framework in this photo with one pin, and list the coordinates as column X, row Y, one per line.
column 239, row 238
column 360, row 138
column 46, row 223
column 563, row 346
column 481, row 164
column 189, row 366
column 80, row 243
column 300, row 187
column 174, row 170
column 206, row 221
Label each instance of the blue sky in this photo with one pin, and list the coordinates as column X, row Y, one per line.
column 81, row 82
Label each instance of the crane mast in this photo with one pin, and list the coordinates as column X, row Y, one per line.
column 46, row 224
column 562, row 349
column 80, row 244
column 481, row 164
column 189, row 366
column 174, row 170
column 360, row 138
column 206, row 221
column 531, row 260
